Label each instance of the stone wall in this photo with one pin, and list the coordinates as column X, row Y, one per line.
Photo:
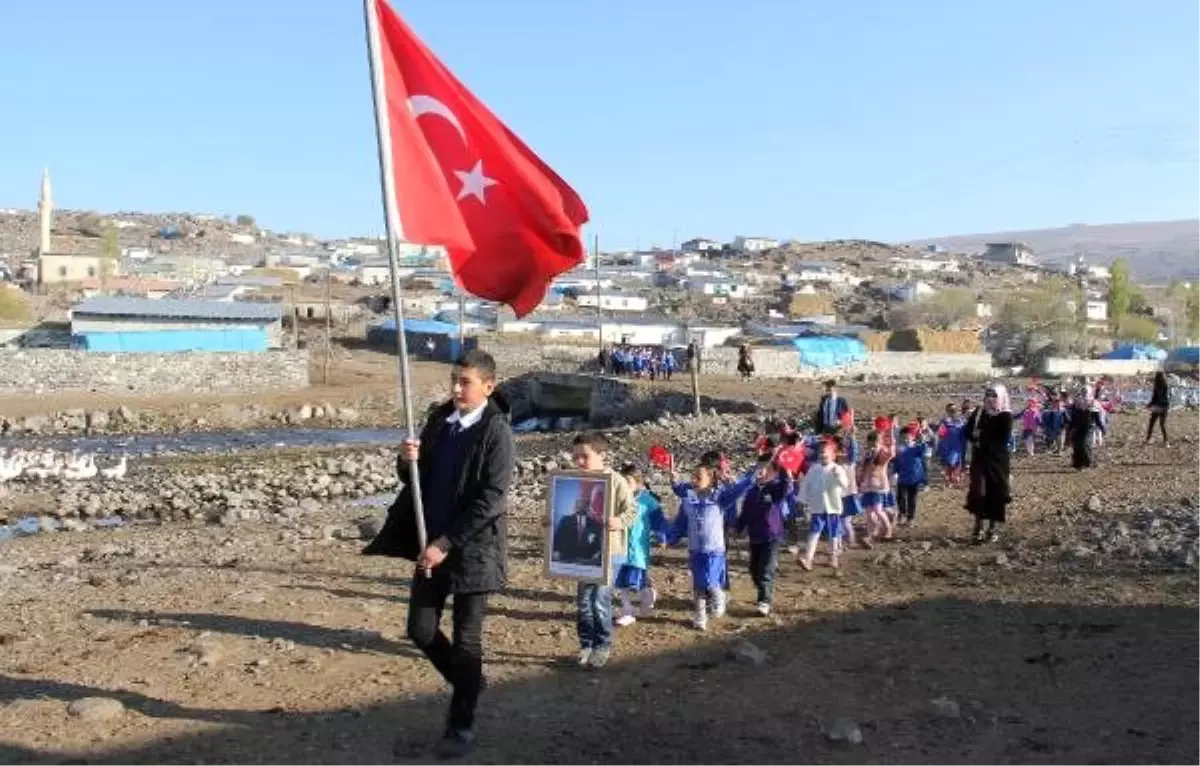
column 1094, row 368
column 513, row 359
column 900, row 365
column 46, row 370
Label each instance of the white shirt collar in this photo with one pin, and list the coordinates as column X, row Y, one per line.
column 468, row 420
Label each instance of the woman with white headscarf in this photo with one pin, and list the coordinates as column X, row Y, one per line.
column 989, row 430
column 1082, row 424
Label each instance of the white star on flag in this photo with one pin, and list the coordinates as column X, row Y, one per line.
column 474, row 182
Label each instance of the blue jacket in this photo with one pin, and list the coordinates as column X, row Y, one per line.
column 649, row 523
column 1054, row 421
column 765, row 509
column 701, row 518
column 910, row 465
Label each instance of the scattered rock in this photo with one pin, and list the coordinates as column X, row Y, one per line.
column 748, row 653
column 96, row 709
column 845, row 730
column 944, row 707
column 369, row 527
column 1093, row 504
column 1001, row 559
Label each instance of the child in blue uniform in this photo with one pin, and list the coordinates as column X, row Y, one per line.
column 702, row 522
column 910, row 471
column 633, row 578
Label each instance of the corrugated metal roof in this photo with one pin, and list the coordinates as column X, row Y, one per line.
column 176, row 308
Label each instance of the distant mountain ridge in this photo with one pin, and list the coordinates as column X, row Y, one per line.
column 1157, row 251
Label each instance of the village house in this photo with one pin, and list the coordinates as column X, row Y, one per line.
column 722, row 287
column 911, row 292
column 754, row 244
column 1081, row 268
column 644, row 331
column 613, row 301
column 701, row 245
column 924, row 265
column 1010, row 253
column 827, row 273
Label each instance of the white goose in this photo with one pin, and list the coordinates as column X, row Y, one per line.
column 81, row 468
column 47, row 466
column 117, row 471
column 11, row 466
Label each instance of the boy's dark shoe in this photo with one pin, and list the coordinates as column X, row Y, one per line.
column 455, row 743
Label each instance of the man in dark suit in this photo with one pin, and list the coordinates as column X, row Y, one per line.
column 830, row 409
column 578, row 538
column 464, row 457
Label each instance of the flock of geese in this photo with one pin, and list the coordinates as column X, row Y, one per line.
column 41, row 464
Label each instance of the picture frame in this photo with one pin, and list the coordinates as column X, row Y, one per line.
column 579, row 549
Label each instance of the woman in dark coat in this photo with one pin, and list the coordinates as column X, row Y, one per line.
column 745, row 361
column 1160, row 403
column 989, row 430
column 1082, row 423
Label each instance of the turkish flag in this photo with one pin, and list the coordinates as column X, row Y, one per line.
column 465, row 181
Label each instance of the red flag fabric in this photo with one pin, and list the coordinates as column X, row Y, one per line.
column 660, row 457
column 465, row 181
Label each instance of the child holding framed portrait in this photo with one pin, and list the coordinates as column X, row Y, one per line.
column 589, row 510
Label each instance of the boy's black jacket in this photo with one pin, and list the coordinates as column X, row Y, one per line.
column 477, row 558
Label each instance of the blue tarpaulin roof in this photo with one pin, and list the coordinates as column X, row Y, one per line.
column 829, row 351
column 427, row 326
column 1185, row 355
column 1136, row 351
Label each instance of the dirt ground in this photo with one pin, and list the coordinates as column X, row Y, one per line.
column 273, row 643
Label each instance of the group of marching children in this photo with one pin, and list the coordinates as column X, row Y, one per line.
column 829, row 478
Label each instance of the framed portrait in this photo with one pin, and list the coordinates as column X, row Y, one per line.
column 578, row 504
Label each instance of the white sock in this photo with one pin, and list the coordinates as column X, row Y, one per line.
column 647, row 597
column 626, row 602
column 810, row 549
column 718, row 601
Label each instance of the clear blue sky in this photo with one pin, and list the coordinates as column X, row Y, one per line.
column 808, row 119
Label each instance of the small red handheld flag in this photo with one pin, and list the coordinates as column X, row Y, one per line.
column 463, row 180
column 660, row 457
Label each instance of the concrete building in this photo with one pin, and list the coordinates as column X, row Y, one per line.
column 754, row 244
column 1010, row 253
column 921, row 265
column 145, row 325
column 63, row 268
column 910, row 292
column 648, row 331
column 1081, row 268
column 722, row 288
column 613, row 301
column 701, row 245
column 821, row 272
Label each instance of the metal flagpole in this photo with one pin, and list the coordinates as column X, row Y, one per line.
column 395, row 234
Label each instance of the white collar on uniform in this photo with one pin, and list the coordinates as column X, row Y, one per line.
column 471, row 418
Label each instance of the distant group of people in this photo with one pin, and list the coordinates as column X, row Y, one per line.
column 651, row 362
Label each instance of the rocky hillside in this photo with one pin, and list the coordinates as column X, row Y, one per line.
column 1157, row 251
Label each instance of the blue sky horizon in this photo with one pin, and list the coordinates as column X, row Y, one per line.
column 672, row 119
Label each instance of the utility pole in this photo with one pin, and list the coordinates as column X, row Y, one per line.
column 599, row 301
column 462, row 323
column 694, row 365
column 328, row 326
column 295, row 319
